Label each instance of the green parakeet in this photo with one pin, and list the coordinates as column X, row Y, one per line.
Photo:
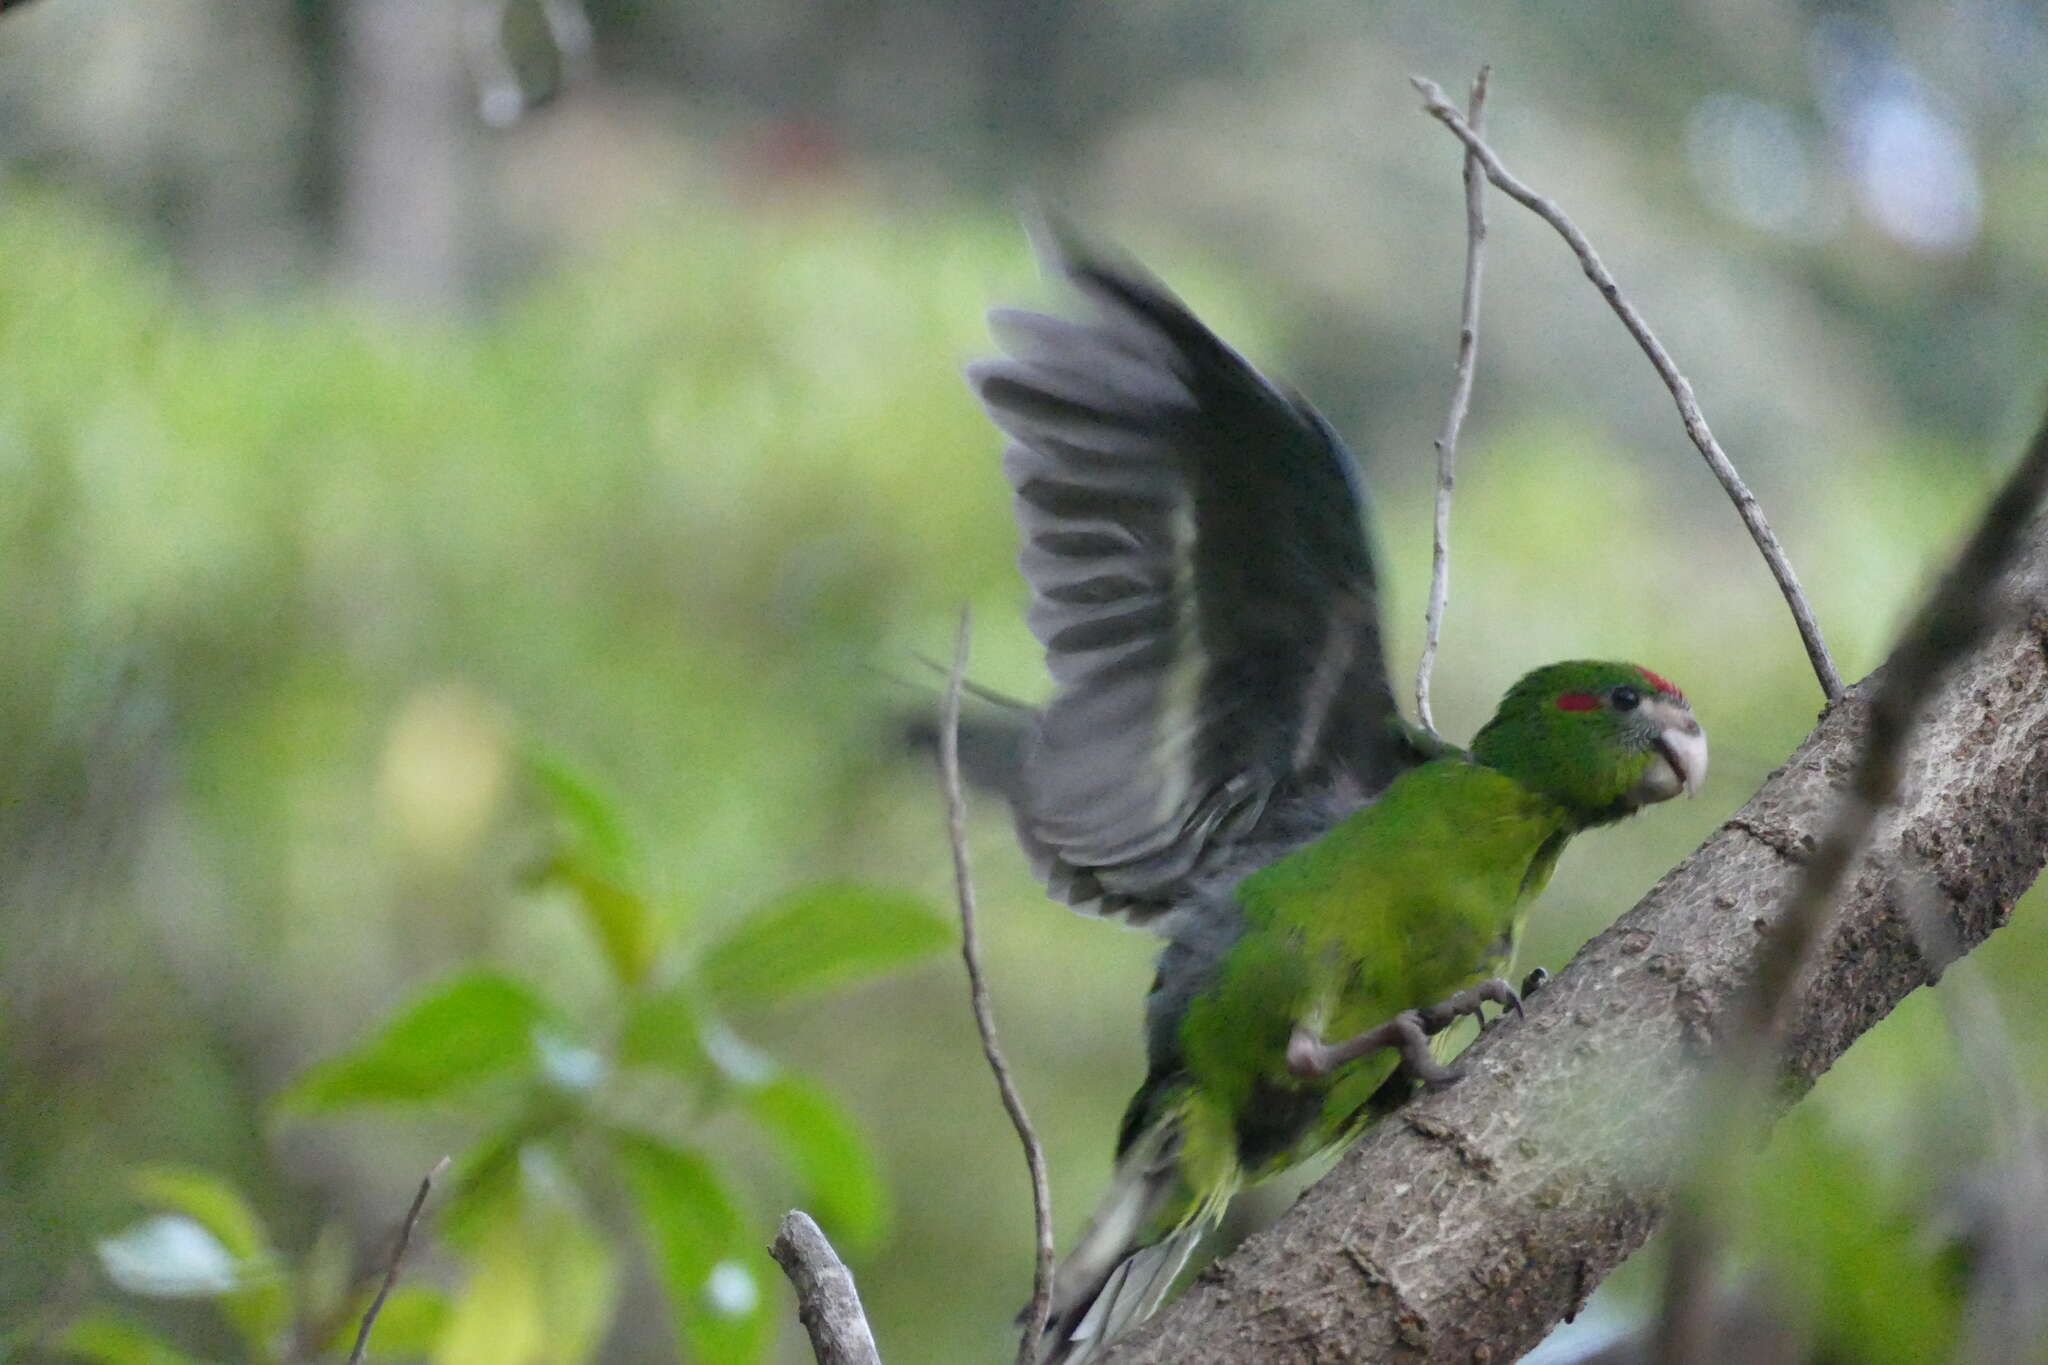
column 1222, row 762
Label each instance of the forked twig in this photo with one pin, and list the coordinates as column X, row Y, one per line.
column 1681, row 391
column 984, row 1014
column 1461, row 399
column 405, row 1231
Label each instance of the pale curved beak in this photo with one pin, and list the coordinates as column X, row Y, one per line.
column 1681, row 748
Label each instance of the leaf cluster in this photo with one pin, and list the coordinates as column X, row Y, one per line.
column 585, row 1127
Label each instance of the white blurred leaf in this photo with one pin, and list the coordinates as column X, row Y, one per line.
column 170, row 1256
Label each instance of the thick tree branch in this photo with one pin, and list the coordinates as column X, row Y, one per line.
column 1689, row 413
column 1469, row 1223
column 826, row 1301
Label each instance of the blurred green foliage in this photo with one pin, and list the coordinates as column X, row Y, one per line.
column 568, row 1110
column 275, row 624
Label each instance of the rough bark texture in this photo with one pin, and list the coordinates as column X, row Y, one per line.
column 827, row 1302
column 1468, row 1224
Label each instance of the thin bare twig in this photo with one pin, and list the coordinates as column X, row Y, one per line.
column 826, row 1300
column 405, row 1231
column 1681, row 391
column 984, row 1014
column 1461, row 399
column 1961, row 611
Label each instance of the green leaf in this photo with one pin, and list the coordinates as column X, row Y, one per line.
column 409, row 1326
column 818, row 938
column 590, row 818
column 578, row 1286
column 107, row 1340
column 729, row 1320
column 712, row 1274
column 662, row 1029
column 830, row 1157
column 170, row 1256
column 542, row 1282
column 622, row 922
column 690, row 1219
column 260, row 1303
column 326, row 1280
column 593, row 863
column 497, row 1319
column 210, row 1245
column 209, row 1200
column 485, row 1190
column 465, row 1029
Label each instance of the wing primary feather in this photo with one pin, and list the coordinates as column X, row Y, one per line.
column 1194, row 540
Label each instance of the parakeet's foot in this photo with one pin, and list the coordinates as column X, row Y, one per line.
column 1472, row 1000
column 1535, row 981
column 1407, row 1032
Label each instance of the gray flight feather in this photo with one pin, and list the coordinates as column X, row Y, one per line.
column 1109, row 1281
column 1194, row 539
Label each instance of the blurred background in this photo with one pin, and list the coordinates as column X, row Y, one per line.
column 394, row 390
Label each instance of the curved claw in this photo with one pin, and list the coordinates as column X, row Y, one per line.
column 1408, row 1032
column 1442, row 1015
column 1535, row 981
column 1441, row 1076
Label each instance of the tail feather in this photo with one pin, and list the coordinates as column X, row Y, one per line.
column 1121, row 1268
column 1131, row 1294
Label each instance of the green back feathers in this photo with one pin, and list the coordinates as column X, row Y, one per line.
column 1580, row 734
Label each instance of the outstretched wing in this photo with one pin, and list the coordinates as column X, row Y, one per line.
column 1195, row 543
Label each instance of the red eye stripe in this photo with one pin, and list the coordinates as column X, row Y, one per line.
column 1661, row 684
column 1578, row 701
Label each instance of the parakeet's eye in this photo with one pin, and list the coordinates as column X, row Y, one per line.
column 1625, row 698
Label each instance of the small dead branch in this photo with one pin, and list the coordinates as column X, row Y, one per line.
column 405, row 1231
column 984, row 1013
column 1681, row 390
column 826, row 1301
column 1461, row 399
